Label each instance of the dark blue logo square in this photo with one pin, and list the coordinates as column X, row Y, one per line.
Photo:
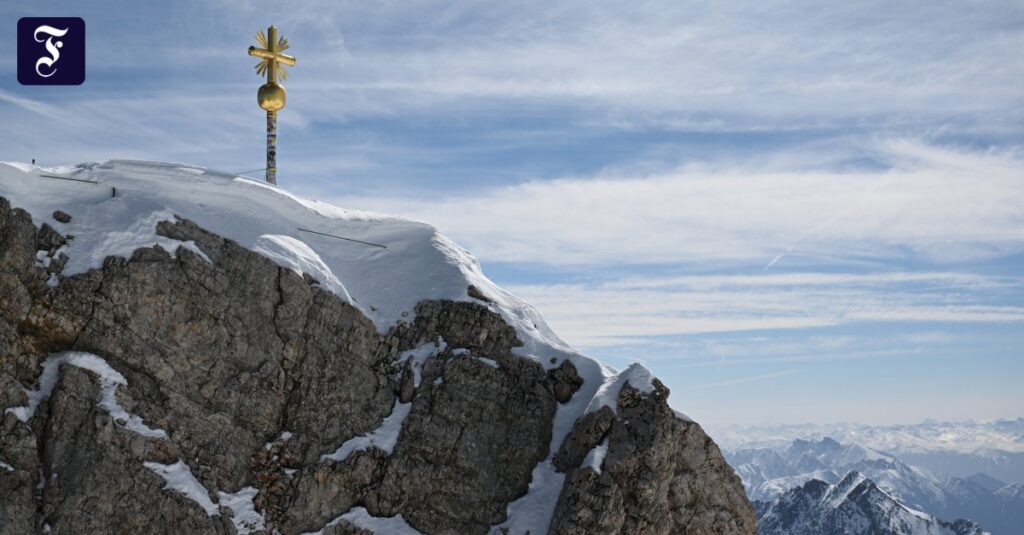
column 51, row 51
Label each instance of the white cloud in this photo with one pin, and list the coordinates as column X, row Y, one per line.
column 661, row 65
column 745, row 380
column 602, row 314
column 745, row 63
column 931, row 203
column 155, row 126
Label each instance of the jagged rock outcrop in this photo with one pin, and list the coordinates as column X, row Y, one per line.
column 661, row 474
column 252, row 376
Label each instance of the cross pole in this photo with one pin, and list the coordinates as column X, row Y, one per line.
column 271, row 95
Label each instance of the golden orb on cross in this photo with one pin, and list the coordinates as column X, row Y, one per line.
column 271, row 97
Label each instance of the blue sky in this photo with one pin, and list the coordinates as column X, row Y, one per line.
column 795, row 211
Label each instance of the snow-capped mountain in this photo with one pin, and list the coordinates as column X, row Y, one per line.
column 854, row 505
column 961, row 449
column 769, row 473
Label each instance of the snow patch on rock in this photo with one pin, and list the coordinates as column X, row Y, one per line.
column 110, row 379
column 179, row 478
column 361, row 518
column 595, row 458
column 418, row 356
column 384, row 437
column 141, row 233
column 532, row 513
column 243, row 512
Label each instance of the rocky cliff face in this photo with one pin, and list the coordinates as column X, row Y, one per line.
column 209, row 390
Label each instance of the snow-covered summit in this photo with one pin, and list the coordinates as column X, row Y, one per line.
column 116, row 205
column 382, row 265
column 400, row 262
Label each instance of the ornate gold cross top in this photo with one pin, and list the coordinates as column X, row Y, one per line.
column 271, row 54
column 271, row 95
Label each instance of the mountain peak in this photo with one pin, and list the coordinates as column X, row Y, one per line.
column 769, row 474
column 986, row 481
column 216, row 355
column 829, row 443
column 850, row 484
column 855, row 505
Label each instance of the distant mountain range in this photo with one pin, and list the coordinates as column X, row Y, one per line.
column 853, row 506
column 959, row 449
column 812, row 481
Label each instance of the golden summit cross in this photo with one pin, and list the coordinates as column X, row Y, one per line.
column 271, row 95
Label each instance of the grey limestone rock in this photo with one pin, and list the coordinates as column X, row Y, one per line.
column 61, row 216
column 586, row 433
column 254, row 373
column 660, row 475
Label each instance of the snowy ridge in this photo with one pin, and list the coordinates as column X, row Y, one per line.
column 779, row 485
column 840, row 492
column 636, row 375
column 1014, row 490
column 117, row 212
column 417, row 264
column 296, row 255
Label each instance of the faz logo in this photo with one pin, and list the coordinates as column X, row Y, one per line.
column 51, row 51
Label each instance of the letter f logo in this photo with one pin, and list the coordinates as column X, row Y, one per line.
column 51, row 51
column 52, row 48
